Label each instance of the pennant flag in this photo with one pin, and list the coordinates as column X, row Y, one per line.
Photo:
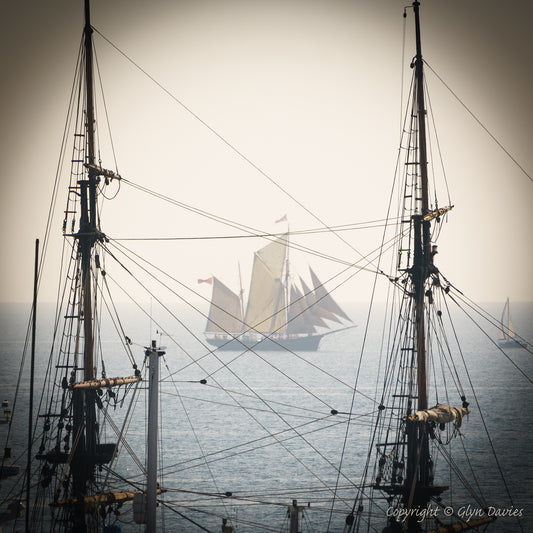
column 282, row 219
column 208, row 280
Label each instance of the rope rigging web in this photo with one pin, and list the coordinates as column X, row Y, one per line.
column 279, row 417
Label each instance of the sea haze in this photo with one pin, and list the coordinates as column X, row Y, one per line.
column 261, row 427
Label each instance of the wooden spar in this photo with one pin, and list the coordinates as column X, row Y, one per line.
column 99, row 499
column 422, row 228
column 430, row 215
column 99, row 171
column 89, row 84
column 105, row 383
column 88, row 204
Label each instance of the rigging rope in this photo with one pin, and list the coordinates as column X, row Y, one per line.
column 480, row 123
column 249, row 230
column 343, row 227
column 231, row 146
column 363, row 346
column 206, row 463
column 262, row 400
column 493, row 342
column 211, row 351
column 494, row 454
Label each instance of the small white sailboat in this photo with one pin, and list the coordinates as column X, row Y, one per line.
column 508, row 338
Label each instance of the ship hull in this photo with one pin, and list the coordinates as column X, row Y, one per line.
column 308, row 343
column 512, row 343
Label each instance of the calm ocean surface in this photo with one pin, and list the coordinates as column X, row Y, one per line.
column 261, row 427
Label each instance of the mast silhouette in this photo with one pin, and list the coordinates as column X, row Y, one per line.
column 84, row 412
column 418, row 491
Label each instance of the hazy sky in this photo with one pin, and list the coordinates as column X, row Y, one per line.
column 310, row 92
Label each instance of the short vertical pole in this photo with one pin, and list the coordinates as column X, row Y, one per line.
column 153, row 355
column 294, row 517
column 32, row 376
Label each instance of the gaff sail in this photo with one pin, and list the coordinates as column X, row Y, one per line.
column 225, row 311
column 266, row 302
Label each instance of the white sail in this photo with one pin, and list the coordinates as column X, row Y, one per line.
column 266, row 302
column 506, row 324
column 273, row 256
column 507, row 338
column 301, row 319
column 225, row 312
column 314, row 312
column 327, row 305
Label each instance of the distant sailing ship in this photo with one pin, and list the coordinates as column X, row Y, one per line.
column 507, row 338
column 279, row 316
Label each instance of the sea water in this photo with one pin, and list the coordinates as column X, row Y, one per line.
column 261, row 430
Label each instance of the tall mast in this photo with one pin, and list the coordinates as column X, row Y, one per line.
column 84, row 423
column 404, row 466
column 287, row 292
column 241, row 298
column 422, row 244
column 418, row 467
column 88, row 201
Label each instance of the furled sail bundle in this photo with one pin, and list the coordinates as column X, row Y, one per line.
column 442, row 414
